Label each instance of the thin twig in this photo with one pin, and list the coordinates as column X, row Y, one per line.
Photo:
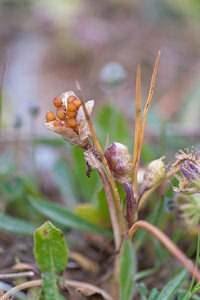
column 21, row 287
column 17, row 275
column 144, row 117
column 104, row 161
column 137, row 128
column 163, row 238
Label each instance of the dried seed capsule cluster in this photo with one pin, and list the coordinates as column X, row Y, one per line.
column 66, row 116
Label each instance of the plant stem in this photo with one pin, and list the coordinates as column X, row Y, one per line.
column 131, row 205
column 104, row 161
column 111, row 207
column 163, row 238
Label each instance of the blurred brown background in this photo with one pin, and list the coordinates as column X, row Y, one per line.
column 51, row 43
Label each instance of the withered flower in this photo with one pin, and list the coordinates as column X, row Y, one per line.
column 189, row 182
column 71, row 123
column 120, row 162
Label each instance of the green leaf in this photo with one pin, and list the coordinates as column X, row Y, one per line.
column 112, row 121
column 142, row 274
column 127, row 271
column 88, row 212
column 153, row 294
column 51, row 255
column 173, row 285
column 63, row 178
column 16, row 225
column 87, row 187
column 154, row 217
column 142, row 289
column 59, row 214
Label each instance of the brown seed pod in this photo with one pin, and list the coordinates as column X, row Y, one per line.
column 57, row 101
column 71, row 122
column 50, row 116
column 71, row 99
column 61, row 113
column 57, row 123
column 71, row 114
column 77, row 102
column 71, row 107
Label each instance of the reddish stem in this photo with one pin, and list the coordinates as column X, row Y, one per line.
column 163, row 238
column 111, row 207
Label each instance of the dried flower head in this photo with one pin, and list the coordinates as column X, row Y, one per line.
column 72, row 125
column 154, row 172
column 120, row 162
column 189, row 182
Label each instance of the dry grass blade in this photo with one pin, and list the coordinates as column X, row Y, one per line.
column 137, row 128
column 144, row 117
column 103, row 159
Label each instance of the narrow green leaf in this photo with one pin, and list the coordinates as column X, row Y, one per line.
column 51, row 255
column 142, row 289
column 127, row 271
column 64, row 180
column 153, row 294
column 79, row 173
column 173, row 285
column 16, row 225
column 142, row 274
column 59, row 214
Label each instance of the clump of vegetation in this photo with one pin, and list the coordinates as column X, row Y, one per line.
column 119, row 208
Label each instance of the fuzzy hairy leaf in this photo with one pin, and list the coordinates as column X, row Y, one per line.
column 51, row 255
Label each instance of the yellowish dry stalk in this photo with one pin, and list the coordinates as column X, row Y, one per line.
column 163, row 238
column 144, row 117
column 104, row 161
column 137, row 129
